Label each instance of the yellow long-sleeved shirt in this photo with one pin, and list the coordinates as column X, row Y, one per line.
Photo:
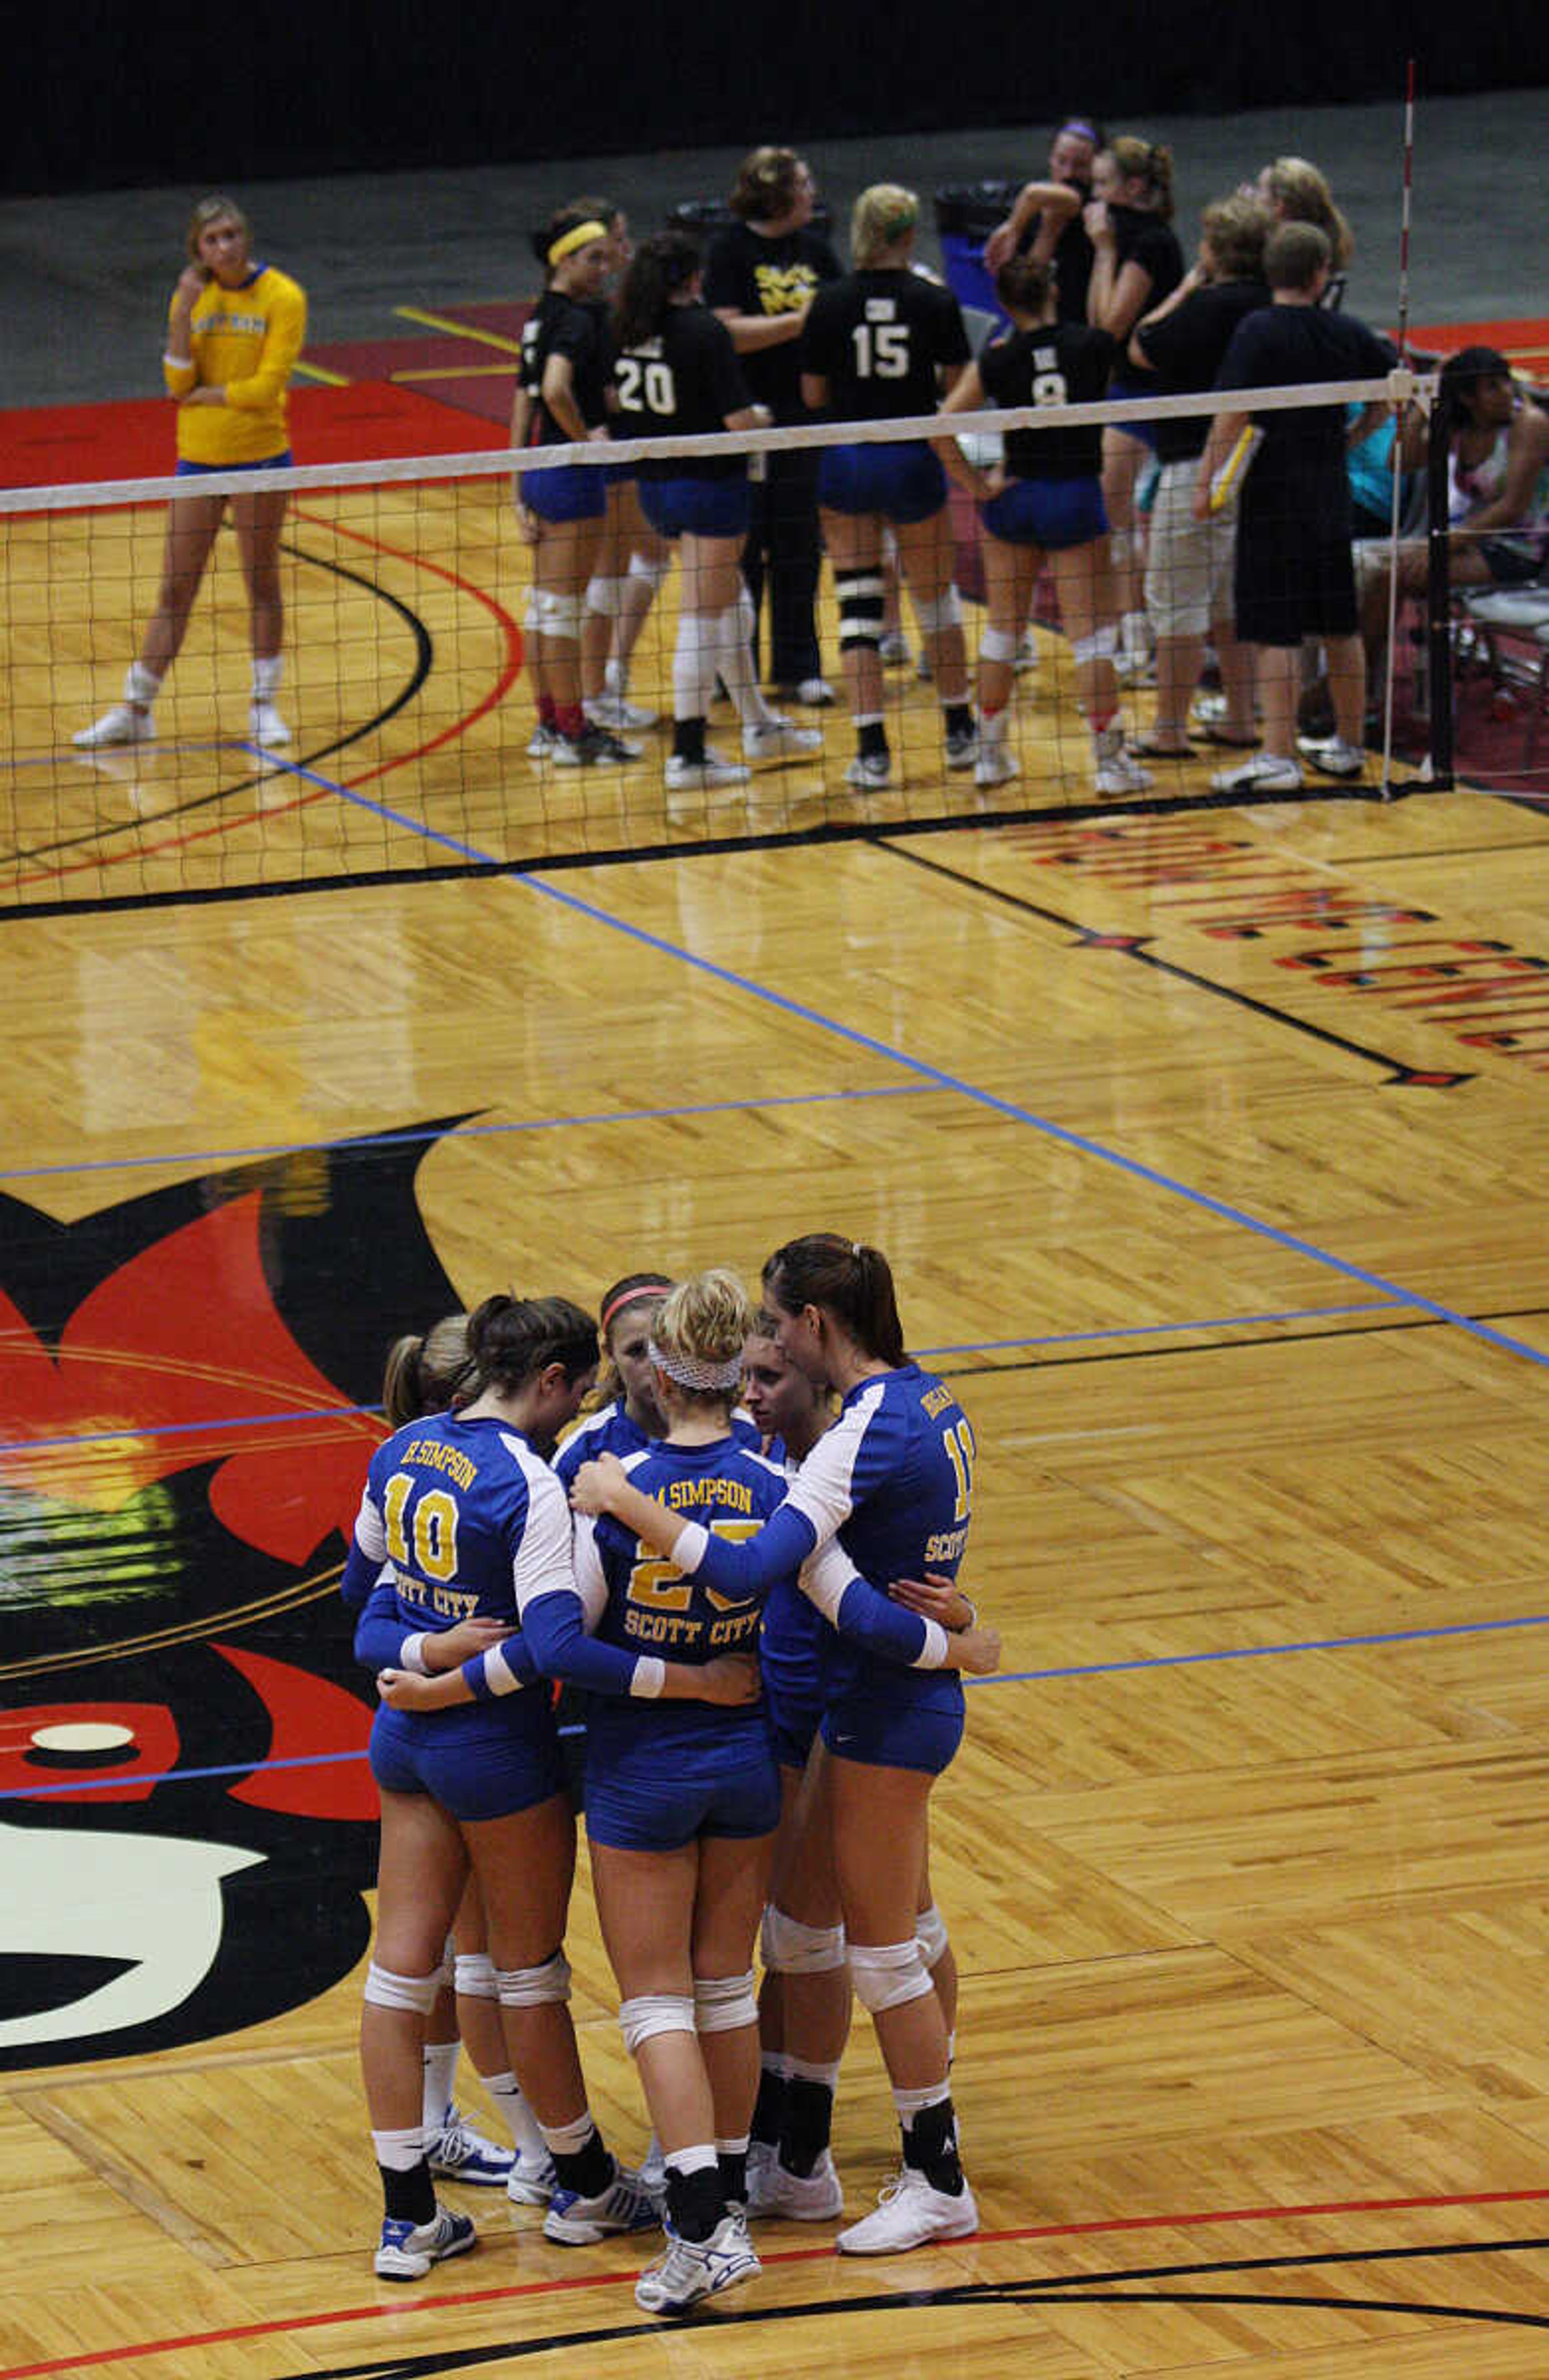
column 245, row 341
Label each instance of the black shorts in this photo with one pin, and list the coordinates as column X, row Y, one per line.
column 1294, row 579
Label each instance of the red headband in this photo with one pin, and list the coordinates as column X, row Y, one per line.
column 641, row 1294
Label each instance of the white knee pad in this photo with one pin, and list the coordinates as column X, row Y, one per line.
column 1100, row 646
column 887, row 1974
column 939, row 612
column 384, row 1989
column 652, row 2012
column 1121, row 548
column 930, row 1933
column 556, row 615
column 475, row 1977
column 530, row 1986
column 721, row 2003
column 791, row 1948
column 998, row 645
column 646, row 566
column 605, row 596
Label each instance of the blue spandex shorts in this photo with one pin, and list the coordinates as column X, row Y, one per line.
column 205, row 470
column 643, row 1799
column 903, row 482
column 570, row 491
column 1047, row 513
column 698, row 507
column 485, row 1760
column 885, row 1733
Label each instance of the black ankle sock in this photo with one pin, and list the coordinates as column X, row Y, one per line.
column 408, row 2197
column 769, row 2113
column 931, row 2146
column 695, row 2202
column 872, row 738
column 688, row 740
column 959, row 717
column 588, row 2171
column 733, row 2175
column 809, row 2115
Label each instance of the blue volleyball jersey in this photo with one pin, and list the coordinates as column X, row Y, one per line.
column 791, row 1644
column 651, row 1608
column 469, row 1518
column 893, row 1478
column 610, row 1430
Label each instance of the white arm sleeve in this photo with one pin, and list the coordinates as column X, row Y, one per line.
column 369, row 1534
column 545, row 1557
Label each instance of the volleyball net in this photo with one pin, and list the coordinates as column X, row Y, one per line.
column 421, row 620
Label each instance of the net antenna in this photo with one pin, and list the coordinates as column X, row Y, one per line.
column 1399, row 434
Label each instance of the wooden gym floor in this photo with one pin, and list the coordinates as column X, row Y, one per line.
column 1204, row 1149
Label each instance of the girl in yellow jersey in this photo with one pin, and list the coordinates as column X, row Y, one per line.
column 233, row 334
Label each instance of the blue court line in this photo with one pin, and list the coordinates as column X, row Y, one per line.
column 1001, row 1678
column 185, row 1429
column 925, row 1072
column 964, row 1347
column 1264, row 1651
column 1156, row 1329
column 464, row 1130
column 1061, row 1133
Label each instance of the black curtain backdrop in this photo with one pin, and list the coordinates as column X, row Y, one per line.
column 102, row 97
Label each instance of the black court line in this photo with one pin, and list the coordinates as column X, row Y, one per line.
column 33, row 854
column 639, row 855
column 1137, row 947
column 1138, row 2285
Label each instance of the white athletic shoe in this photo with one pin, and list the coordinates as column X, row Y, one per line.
column 409, row 2249
column 692, row 2269
column 962, row 747
column 892, row 648
column 1260, row 772
column 531, row 2181
column 1331, row 755
column 459, row 2154
column 652, row 2168
column 814, row 2197
column 1117, row 773
column 779, row 740
column 122, row 724
column 265, row 726
column 621, row 716
column 816, row 693
column 995, row 765
column 870, row 771
column 541, row 742
column 704, row 776
column 625, row 2205
column 908, row 2213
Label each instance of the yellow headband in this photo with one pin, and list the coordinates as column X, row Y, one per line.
column 582, row 237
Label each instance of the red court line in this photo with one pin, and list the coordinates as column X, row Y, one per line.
column 1112, row 2224
column 308, row 799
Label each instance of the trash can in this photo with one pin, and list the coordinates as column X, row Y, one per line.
column 966, row 212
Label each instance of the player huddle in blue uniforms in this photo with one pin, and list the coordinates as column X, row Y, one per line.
column 684, row 1552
